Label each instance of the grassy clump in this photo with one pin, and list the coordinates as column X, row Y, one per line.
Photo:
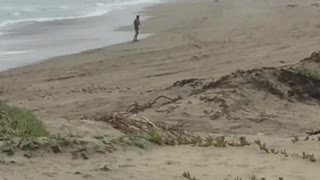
column 16, row 122
column 309, row 74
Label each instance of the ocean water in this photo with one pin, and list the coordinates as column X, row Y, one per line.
column 19, row 11
column 35, row 30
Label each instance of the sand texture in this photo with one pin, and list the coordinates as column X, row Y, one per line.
column 225, row 68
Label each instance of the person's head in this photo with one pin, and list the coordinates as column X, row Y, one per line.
column 138, row 16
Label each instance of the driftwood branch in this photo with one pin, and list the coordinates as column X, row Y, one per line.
column 135, row 108
column 311, row 133
column 135, row 124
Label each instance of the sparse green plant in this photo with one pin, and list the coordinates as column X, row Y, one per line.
column 131, row 140
column 221, row 142
column 273, row 151
column 196, row 140
column 309, row 157
column 295, row 139
column 64, row 140
column 262, row 146
column 98, row 137
column 99, row 149
column 208, row 141
column 253, row 178
column 188, row 176
column 155, row 137
column 242, row 142
column 284, row 152
column 19, row 122
column 307, row 73
column 304, row 155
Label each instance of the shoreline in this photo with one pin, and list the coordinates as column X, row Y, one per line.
column 18, row 53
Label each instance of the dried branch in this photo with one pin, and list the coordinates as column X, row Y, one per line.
column 311, row 133
column 135, row 108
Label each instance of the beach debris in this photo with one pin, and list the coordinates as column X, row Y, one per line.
column 311, row 133
column 105, row 168
column 139, row 127
column 159, row 133
column 135, row 108
column 191, row 82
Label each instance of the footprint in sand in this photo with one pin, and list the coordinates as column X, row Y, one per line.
column 126, row 166
column 172, row 162
column 292, row 5
column 49, row 174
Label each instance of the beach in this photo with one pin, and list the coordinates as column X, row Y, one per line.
column 225, row 67
column 40, row 35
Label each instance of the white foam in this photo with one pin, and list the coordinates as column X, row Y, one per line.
column 12, row 53
column 16, row 13
column 99, row 12
column 104, row 9
column 100, row 4
column 31, row 20
column 63, row 7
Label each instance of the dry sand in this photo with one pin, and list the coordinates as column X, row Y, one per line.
column 197, row 40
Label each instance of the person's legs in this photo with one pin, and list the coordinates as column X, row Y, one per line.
column 135, row 38
column 136, row 35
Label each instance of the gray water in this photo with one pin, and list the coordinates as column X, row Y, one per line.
column 19, row 11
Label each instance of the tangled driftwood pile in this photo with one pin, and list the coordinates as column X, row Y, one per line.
column 159, row 133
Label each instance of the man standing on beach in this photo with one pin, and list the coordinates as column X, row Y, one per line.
column 136, row 24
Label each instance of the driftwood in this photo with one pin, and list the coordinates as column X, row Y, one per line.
column 128, row 123
column 135, row 108
column 135, row 124
column 311, row 133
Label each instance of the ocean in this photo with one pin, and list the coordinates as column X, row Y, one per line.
column 32, row 30
column 19, row 11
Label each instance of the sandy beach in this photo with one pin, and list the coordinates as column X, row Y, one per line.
column 29, row 41
column 229, row 67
